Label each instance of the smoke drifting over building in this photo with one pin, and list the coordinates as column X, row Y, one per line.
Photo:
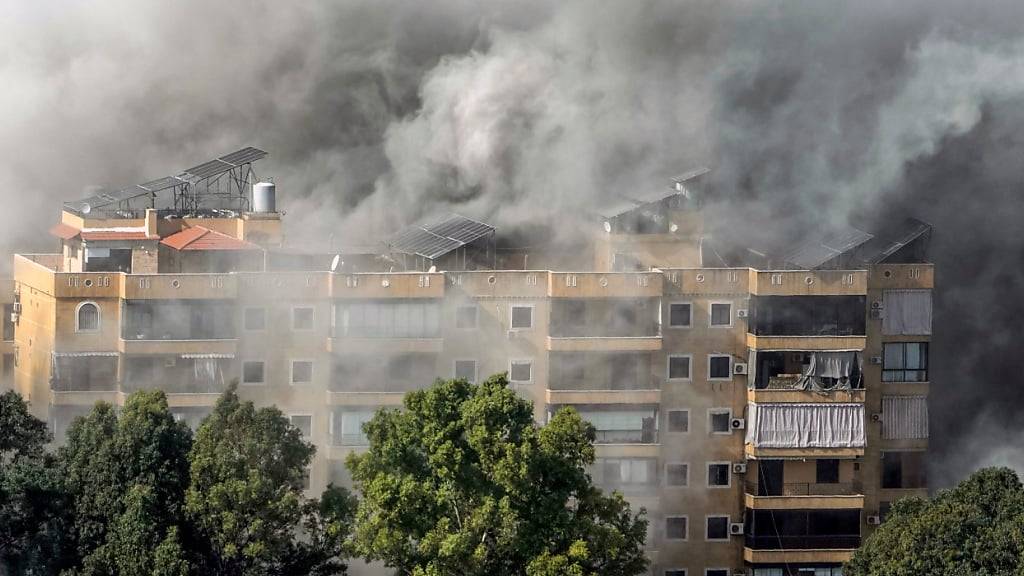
column 379, row 113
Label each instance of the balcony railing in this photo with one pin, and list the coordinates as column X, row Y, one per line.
column 626, row 437
column 808, row 489
column 830, row 542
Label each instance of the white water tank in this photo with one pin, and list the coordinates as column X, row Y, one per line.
column 264, row 196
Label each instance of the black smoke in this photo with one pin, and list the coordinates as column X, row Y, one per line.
column 380, row 112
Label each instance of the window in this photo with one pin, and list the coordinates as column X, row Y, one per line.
column 716, row 572
column 8, row 322
column 768, row 572
column 624, row 472
column 719, row 367
column 903, row 470
column 87, row 317
column 678, row 420
column 252, row 372
column 677, row 474
column 302, row 318
column 304, row 422
column 522, row 317
column 466, row 317
column 302, row 371
column 905, row 362
column 679, row 367
column 717, row 528
column 718, row 474
column 520, row 371
column 348, row 426
column 465, row 370
column 676, row 528
column 306, row 478
column 255, row 319
column 721, row 314
column 719, row 421
column 827, row 471
column 392, row 319
column 675, row 572
column 680, row 315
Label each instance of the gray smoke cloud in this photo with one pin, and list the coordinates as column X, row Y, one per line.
column 380, row 113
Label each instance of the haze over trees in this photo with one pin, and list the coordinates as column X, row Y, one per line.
column 975, row 528
column 461, row 481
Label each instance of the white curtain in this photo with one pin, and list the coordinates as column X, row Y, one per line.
column 805, row 425
column 907, row 312
column 904, row 417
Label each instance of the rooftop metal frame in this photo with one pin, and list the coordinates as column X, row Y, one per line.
column 221, row 183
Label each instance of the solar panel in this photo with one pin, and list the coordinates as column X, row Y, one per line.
column 460, row 228
column 208, row 169
column 420, row 242
column 161, row 184
column 244, row 156
column 820, row 249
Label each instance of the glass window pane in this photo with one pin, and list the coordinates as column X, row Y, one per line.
column 893, row 359
column 679, row 367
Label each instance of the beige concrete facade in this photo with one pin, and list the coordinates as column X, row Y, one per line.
column 329, row 348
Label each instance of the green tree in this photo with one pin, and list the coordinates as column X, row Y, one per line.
column 246, row 497
column 462, row 481
column 126, row 476
column 975, row 528
column 32, row 503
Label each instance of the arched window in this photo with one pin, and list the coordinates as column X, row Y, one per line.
column 87, row 318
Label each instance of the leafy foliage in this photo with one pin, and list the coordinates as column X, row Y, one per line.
column 246, row 495
column 975, row 528
column 463, row 481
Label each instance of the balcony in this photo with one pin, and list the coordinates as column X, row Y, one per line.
column 605, row 285
column 805, row 430
column 812, row 283
column 806, row 376
column 388, row 285
column 785, row 531
column 195, row 376
column 777, row 542
column 815, row 556
column 354, row 345
column 180, row 286
column 604, row 344
column 807, row 322
column 803, row 495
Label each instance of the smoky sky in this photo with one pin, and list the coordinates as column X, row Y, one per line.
column 378, row 113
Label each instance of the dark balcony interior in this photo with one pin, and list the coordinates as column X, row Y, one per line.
column 603, row 371
column 605, row 318
column 387, row 319
column 84, row 374
column 808, row 315
column 815, row 477
column 395, row 373
column 904, row 470
column 802, row 529
column 175, row 375
column 787, row 371
column 178, row 320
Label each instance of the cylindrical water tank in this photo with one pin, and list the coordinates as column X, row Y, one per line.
column 264, row 197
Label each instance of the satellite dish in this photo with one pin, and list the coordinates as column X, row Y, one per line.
column 86, row 208
column 335, row 262
column 432, row 270
column 608, row 227
column 673, row 228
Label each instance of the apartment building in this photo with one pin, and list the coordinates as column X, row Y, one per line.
column 765, row 418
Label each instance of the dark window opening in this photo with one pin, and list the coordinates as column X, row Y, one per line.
column 827, row 471
column 905, row 362
column 108, row 260
column 679, row 315
column 720, row 367
column 808, row 315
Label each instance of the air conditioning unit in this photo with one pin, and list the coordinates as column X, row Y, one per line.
column 739, row 467
column 876, row 417
column 736, row 528
column 874, row 520
column 14, row 317
column 737, row 424
column 877, row 305
column 16, row 307
column 876, row 359
column 742, row 313
column 739, row 368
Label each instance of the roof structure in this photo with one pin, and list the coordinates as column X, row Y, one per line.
column 200, row 238
column 623, row 203
column 819, row 249
column 107, row 235
column 64, row 232
column 885, row 245
column 439, row 238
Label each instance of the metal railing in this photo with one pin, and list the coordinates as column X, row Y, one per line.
column 854, row 488
column 626, row 437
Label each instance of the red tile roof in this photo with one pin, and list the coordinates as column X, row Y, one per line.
column 101, row 235
column 64, row 232
column 199, row 238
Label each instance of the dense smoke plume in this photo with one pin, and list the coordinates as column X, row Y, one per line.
column 378, row 113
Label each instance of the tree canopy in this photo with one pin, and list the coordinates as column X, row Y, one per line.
column 463, row 481
column 975, row 528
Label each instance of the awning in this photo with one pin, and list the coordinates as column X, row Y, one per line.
column 207, row 356
column 82, row 354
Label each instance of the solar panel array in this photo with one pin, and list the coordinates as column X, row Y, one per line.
column 820, row 249
column 435, row 240
column 201, row 172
